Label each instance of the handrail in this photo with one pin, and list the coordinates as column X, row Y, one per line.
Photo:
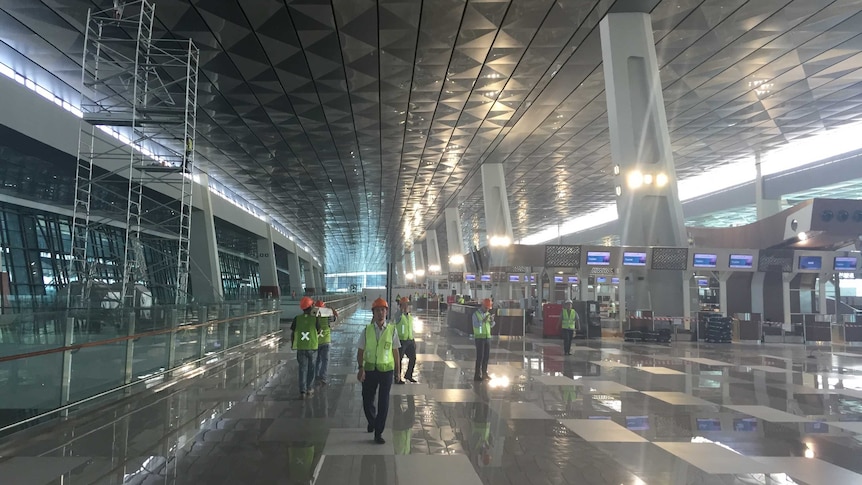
column 110, row 391
column 136, row 336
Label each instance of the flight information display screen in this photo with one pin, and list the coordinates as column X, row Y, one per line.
column 845, row 263
column 741, row 261
column 703, row 260
column 634, row 259
column 810, row 262
column 599, row 258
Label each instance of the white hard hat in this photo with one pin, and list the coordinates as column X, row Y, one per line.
column 568, row 302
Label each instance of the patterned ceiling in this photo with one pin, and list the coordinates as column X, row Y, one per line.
column 356, row 122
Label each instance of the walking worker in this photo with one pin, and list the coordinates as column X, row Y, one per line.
column 483, row 321
column 303, row 331
column 404, row 326
column 324, row 338
column 378, row 362
column 570, row 323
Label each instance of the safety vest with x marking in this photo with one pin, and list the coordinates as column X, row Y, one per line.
column 305, row 334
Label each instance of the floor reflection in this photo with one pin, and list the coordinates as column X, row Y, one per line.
column 612, row 412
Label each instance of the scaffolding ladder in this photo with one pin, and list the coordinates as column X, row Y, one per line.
column 135, row 156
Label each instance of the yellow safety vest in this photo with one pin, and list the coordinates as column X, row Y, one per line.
column 484, row 329
column 570, row 318
column 325, row 334
column 405, row 327
column 305, row 334
column 402, row 440
column 378, row 353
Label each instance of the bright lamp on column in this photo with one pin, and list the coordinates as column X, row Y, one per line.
column 456, row 259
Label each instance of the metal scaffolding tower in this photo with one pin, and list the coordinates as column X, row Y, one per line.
column 143, row 92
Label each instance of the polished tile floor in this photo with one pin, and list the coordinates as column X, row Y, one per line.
column 612, row 413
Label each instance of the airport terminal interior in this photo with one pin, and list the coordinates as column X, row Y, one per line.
column 673, row 188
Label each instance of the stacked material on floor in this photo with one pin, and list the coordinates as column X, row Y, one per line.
column 719, row 329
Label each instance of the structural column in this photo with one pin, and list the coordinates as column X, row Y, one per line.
column 765, row 207
column 294, row 270
column 650, row 213
column 455, row 242
column 309, row 276
column 498, row 220
column 204, row 271
column 266, row 262
column 419, row 270
column 433, row 253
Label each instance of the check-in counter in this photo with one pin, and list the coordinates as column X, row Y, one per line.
column 427, row 303
column 852, row 332
column 510, row 321
column 817, row 331
column 747, row 327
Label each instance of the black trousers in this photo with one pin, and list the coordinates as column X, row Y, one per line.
column 483, row 353
column 568, row 333
column 408, row 349
column 374, row 380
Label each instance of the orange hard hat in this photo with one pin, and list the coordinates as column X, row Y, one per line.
column 305, row 302
column 319, row 304
column 404, row 299
column 487, row 303
column 380, row 302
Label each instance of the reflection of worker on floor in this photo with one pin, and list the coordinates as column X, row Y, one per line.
column 570, row 395
column 300, row 464
column 402, row 425
column 480, row 434
column 373, row 470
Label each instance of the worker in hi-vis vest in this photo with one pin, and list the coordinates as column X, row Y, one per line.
column 324, row 338
column 379, row 362
column 483, row 321
column 404, row 326
column 303, row 332
column 569, row 324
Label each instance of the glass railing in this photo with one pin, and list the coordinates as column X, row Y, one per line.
column 51, row 362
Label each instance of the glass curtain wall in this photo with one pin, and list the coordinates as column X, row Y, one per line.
column 240, row 270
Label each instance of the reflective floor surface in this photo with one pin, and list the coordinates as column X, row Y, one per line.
column 611, row 413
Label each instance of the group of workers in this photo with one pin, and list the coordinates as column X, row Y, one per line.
column 383, row 346
column 311, row 335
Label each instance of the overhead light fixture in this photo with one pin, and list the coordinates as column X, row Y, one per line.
column 456, row 259
column 616, row 169
column 661, row 180
column 619, row 190
column 500, row 241
column 802, row 236
column 434, row 268
column 420, row 273
column 635, row 179
column 648, row 178
column 409, row 276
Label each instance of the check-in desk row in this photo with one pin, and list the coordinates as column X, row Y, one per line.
column 510, row 321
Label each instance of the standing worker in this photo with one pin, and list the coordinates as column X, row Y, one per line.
column 570, row 323
column 483, row 321
column 378, row 363
column 324, row 337
column 404, row 326
column 303, row 331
